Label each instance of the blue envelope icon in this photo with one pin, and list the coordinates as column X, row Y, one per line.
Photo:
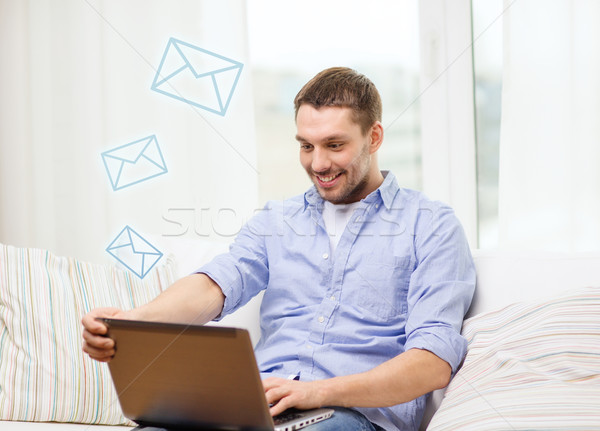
column 134, row 252
column 196, row 76
column 133, row 163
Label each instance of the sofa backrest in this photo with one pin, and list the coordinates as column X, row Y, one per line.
column 505, row 277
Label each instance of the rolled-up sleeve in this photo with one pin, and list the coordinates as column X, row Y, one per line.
column 244, row 271
column 441, row 286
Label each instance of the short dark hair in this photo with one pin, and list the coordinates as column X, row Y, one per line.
column 342, row 86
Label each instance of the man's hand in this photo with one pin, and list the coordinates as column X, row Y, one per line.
column 285, row 393
column 398, row 380
column 95, row 344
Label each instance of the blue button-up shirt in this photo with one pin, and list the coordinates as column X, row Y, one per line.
column 401, row 277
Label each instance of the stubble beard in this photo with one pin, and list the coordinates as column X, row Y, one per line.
column 351, row 192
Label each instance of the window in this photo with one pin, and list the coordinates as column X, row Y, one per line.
column 292, row 41
column 487, row 52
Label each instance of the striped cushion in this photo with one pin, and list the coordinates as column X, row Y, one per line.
column 529, row 366
column 44, row 375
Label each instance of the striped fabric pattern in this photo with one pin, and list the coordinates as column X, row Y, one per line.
column 529, row 366
column 44, row 375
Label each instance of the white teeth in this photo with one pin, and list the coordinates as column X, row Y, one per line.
column 327, row 179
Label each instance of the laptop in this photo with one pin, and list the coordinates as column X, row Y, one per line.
column 180, row 377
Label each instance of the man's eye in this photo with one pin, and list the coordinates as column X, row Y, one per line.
column 306, row 146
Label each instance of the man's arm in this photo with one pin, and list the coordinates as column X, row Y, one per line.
column 195, row 299
column 401, row 379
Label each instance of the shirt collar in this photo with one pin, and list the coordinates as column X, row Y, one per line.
column 385, row 193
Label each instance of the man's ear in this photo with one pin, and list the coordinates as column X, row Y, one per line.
column 376, row 135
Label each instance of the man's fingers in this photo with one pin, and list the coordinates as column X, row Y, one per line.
column 283, row 394
column 280, row 394
column 272, row 382
column 280, row 399
column 97, row 341
column 90, row 323
column 279, row 408
column 94, row 326
column 274, row 395
column 103, row 355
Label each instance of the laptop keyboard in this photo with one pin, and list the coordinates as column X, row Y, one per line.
column 285, row 417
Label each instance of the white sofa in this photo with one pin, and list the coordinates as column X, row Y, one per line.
column 504, row 278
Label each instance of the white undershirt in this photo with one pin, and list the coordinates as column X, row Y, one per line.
column 336, row 218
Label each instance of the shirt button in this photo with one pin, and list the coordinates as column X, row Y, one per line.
column 325, row 255
column 321, row 319
column 332, row 298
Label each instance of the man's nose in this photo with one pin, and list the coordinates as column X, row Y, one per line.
column 320, row 162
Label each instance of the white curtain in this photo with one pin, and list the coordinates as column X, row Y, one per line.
column 549, row 181
column 75, row 78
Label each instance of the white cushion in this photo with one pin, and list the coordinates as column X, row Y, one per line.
column 44, row 375
column 56, row 426
column 531, row 365
column 505, row 277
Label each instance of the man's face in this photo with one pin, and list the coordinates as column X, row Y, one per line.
column 335, row 153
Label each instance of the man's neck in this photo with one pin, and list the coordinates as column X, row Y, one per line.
column 375, row 181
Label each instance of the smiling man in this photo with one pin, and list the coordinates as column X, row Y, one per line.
column 365, row 283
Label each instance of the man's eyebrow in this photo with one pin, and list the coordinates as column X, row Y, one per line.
column 331, row 138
